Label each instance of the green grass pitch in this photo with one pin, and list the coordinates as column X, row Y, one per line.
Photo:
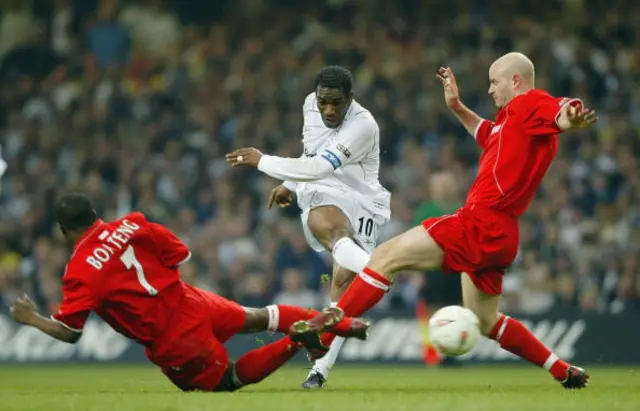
column 388, row 388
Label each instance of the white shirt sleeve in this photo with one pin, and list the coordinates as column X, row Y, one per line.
column 352, row 143
column 295, row 169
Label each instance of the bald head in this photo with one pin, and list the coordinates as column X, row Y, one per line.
column 510, row 75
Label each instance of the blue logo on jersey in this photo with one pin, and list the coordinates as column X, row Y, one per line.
column 332, row 158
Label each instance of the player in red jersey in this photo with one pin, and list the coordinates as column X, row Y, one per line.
column 127, row 272
column 481, row 239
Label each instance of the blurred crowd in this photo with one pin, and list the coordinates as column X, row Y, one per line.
column 136, row 103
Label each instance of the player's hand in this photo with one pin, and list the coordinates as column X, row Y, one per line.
column 448, row 80
column 281, row 196
column 577, row 117
column 244, row 157
column 23, row 310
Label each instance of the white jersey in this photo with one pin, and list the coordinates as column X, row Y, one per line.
column 339, row 167
column 353, row 149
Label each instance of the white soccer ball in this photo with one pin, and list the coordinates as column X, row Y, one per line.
column 454, row 330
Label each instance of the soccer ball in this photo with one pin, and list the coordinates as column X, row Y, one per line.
column 454, row 330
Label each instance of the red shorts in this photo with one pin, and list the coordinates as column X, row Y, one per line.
column 191, row 352
column 480, row 242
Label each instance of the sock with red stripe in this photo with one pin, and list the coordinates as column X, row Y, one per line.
column 365, row 291
column 514, row 337
column 257, row 364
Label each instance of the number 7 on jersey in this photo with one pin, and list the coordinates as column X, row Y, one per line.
column 130, row 261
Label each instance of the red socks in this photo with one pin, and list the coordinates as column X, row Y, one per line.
column 365, row 291
column 282, row 317
column 514, row 337
column 256, row 365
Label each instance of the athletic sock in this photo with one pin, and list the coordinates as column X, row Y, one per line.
column 514, row 337
column 282, row 317
column 348, row 254
column 324, row 364
column 366, row 290
column 257, row 364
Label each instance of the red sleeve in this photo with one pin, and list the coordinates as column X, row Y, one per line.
column 483, row 130
column 77, row 303
column 541, row 114
column 173, row 252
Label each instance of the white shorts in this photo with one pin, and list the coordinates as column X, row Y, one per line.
column 365, row 214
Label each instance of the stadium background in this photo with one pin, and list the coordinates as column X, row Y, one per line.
column 136, row 102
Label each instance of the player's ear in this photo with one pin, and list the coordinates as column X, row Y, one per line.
column 516, row 81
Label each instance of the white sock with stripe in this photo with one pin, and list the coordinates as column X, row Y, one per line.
column 324, row 364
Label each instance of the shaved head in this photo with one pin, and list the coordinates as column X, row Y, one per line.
column 510, row 76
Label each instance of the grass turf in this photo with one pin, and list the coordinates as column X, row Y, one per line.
column 389, row 388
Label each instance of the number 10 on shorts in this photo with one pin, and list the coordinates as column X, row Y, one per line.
column 365, row 226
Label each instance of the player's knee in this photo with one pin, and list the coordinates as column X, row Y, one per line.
column 385, row 261
column 412, row 250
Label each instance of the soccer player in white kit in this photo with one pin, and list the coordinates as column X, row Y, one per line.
column 336, row 182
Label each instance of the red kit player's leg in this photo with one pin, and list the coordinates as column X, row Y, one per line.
column 204, row 370
column 258, row 364
column 414, row 250
column 229, row 318
column 481, row 294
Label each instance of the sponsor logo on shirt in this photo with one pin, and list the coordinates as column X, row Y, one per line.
column 496, row 129
column 332, row 158
column 343, row 150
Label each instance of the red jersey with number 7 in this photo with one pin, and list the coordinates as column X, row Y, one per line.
column 126, row 271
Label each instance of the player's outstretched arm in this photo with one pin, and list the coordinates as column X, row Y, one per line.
column 469, row 119
column 291, row 169
column 24, row 312
column 349, row 146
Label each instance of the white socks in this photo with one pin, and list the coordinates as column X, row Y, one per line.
column 324, row 364
column 348, row 254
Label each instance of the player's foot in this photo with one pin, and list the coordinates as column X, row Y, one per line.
column 358, row 328
column 308, row 332
column 577, row 378
column 329, row 320
column 314, row 381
